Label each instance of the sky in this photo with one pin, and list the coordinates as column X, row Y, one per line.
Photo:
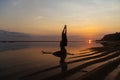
column 88, row 18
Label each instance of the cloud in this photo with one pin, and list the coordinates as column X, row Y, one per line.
column 15, row 3
column 39, row 18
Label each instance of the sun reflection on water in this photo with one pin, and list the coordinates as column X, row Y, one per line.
column 89, row 41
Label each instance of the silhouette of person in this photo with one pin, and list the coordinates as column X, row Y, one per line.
column 64, row 40
column 63, row 52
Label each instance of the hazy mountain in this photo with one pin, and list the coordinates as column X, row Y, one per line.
column 6, row 35
column 13, row 36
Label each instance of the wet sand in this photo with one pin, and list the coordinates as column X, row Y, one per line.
column 96, row 63
column 106, row 58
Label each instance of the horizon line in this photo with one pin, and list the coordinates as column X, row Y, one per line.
column 36, row 41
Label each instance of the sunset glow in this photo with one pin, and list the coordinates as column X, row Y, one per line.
column 59, row 39
column 88, row 18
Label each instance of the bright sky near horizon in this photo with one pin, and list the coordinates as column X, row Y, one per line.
column 47, row 17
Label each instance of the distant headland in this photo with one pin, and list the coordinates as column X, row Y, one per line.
column 111, row 37
column 111, row 40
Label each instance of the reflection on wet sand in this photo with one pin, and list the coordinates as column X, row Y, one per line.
column 12, row 46
column 100, row 54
